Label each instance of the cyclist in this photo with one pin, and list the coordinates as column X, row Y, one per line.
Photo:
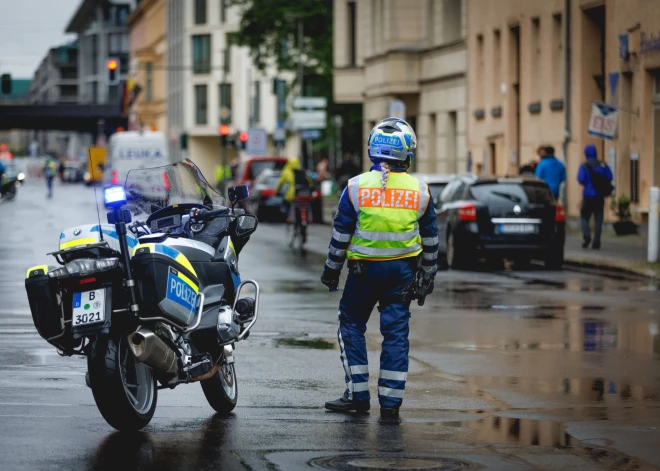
column 384, row 222
column 293, row 181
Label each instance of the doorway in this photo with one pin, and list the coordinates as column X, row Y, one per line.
column 492, row 158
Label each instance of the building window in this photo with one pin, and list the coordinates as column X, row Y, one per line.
column 558, row 55
column 200, row 12
column 451, row 20
column 226, row 54
column 536, row 58
column 95, row 54
column 150, row 86
column 95, row 92
column 351, row 34
column 118, row 44
column 201, row 105
column 226, row 99
column 480, row 72
column 201, row 54
column 223, row 10
column 256, row 113
column 113, row 94
column 497, row 68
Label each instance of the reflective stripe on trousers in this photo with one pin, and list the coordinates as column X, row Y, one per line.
column 381, row 283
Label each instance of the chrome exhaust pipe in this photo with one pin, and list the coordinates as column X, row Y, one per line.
column 152, row 351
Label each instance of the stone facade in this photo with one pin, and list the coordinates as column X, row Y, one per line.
column 523, row 93
column 413, row 51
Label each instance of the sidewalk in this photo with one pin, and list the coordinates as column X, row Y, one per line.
column 622, row 254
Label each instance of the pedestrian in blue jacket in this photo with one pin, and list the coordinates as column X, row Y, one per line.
column 596, row 177
column 551, row 171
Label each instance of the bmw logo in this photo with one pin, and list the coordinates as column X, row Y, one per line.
column 516, row 209
column 76, row 232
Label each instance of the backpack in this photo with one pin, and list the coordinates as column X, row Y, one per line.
column 600, row 182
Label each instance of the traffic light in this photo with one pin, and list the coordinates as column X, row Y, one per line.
column 224, row 133
column 112, row 69
column 241, row 139
column 6, row 84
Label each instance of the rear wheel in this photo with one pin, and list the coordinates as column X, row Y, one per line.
column 124, row 390
column 456, row 257
column 221, row 390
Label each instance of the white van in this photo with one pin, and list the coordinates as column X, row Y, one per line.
column 131, row 150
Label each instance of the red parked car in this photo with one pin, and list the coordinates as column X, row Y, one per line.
column 250, row 168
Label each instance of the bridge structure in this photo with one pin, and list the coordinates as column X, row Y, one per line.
column 63, row 117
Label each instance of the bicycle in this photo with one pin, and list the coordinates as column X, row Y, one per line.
column 296, row 229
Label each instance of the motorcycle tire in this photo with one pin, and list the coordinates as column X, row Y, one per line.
column 125, row 391
column 11, row 194
column 221, row 390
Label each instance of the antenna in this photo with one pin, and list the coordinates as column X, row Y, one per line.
column 98, row 213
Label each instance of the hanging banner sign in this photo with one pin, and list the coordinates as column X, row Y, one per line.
column 603, row 122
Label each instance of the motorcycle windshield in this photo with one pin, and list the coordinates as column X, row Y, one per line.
column 155, row 188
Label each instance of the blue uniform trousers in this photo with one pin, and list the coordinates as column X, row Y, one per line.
column 381, row 282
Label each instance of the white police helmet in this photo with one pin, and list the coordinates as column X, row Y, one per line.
column 392, row 139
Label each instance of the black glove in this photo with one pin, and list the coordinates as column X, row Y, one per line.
column 330, row 278
column 424, row 283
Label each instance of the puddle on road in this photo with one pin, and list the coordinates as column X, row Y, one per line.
column 305, row 342
column 515, row 431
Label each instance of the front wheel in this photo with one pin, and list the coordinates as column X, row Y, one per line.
column 221, row 389
column 124, row 390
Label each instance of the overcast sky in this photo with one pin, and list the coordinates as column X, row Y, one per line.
column 28, row 28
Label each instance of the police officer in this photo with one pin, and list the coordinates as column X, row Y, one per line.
column 386, row 226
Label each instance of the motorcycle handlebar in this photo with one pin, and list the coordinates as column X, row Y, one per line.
column 202, row 214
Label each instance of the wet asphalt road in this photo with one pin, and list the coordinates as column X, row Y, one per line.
column 510, row 370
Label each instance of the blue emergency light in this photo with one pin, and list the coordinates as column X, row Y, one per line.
column 114, row 196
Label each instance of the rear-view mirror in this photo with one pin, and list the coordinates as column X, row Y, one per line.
column 246, row 224
column 238, row 193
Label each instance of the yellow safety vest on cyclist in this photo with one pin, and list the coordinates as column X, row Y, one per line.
column 387, row 226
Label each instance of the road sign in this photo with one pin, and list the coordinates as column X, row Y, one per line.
column 603, row 121
column 310, row 102
column 397, row 109
column 257, row 143
column 279, row 134
column 310, row 134
column 309, row 119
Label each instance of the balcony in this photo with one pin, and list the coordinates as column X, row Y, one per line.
column 349, row 85
column 393, row 73
column 444, row 62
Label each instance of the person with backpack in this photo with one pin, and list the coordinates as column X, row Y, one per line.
column 596, row 178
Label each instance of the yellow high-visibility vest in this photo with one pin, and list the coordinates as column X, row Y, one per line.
column 387, row 226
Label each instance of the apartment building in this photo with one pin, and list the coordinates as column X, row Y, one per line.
column 218, row 74
column 387, row 52
column 148, row 52
column 101, row 27
column 536, row 68
column 56, row 82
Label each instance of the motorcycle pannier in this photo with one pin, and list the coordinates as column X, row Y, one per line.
column 167, row 283
column 46, row 312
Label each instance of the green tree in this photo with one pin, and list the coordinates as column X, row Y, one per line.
column 269, row 28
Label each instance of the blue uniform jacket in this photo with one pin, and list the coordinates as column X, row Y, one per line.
column 346, row 221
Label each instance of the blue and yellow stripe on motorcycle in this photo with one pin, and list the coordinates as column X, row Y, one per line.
column 132, row 241
column 36, row 270
column 170, row 252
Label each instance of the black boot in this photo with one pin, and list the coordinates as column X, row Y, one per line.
column 585, row 242
column 389, row 412
column 346, row 405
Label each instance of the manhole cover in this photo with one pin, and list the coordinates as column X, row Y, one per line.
column 389, row 461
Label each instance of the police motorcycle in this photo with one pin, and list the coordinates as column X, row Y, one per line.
column 9, row 185
column 155, row 302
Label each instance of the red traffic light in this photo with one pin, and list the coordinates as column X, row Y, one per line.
column 243, row 136
column 224, row 129
column 112, row 64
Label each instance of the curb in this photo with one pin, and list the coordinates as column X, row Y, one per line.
column 609, row 269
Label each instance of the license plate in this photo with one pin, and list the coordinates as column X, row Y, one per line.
column 517, row 229
column 88, row 307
